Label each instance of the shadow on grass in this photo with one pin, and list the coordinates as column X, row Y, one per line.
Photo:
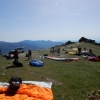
column 12, row 66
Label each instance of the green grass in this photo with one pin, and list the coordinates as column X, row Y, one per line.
column 69, row 78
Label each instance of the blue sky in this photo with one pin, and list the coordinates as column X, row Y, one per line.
column 49, row 20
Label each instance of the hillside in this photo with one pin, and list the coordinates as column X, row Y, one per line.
column 69, row 80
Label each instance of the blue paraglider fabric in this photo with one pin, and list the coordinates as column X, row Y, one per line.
column 36, row 63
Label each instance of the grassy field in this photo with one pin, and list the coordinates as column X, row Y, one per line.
column 69, row 79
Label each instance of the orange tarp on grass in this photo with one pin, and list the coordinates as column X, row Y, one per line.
column 26, row 92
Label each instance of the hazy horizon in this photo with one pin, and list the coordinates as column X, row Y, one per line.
column 74, row 40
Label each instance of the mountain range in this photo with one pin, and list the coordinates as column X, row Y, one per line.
column 5, row 47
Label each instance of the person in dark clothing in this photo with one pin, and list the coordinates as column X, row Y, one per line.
column 79, row 50
column 16, row 56
column 29, row 54
column 90, row 51
column 58, row 51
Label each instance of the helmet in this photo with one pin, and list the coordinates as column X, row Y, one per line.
column 15, row 82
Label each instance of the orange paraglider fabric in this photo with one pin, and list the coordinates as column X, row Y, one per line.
column 26, row 92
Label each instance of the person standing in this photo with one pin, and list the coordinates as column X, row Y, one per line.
column 29, row 54
column 16, row 56
column 79, row 51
